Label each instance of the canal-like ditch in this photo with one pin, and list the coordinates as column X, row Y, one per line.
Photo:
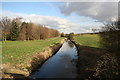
column 61, row 65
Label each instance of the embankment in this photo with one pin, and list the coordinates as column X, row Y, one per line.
column 96, row 63
column 34, row 62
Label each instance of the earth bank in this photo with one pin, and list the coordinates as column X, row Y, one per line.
column 35, row 61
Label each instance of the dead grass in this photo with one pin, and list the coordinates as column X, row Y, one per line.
column 88, row 62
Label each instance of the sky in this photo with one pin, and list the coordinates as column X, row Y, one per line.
column 67, row 17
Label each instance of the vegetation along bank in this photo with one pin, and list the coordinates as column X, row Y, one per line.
column 20, row 58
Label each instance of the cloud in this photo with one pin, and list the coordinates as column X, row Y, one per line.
column 66, row 25
column 49, row 21
column 102, row 11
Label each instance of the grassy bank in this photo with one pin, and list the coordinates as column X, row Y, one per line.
column 88, row 40
column 24, row 56
column 17, row 51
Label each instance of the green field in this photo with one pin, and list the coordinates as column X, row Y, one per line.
column 88, row 40
column 18, row 51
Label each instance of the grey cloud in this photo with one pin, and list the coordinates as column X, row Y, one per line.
column 102, row 11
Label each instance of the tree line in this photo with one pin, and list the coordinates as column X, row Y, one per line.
column 15, row 29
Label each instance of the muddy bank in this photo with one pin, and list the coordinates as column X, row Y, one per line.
column 35, row 61
column 96, row 63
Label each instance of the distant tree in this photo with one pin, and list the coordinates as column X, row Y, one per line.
column 23, row 31
column 56, row 33
column 45, row 32
column 71, row 35
column 50, row 34
column 28, row 31
column 40, row 31
column 31, row 31
column 62, row 35
column 18, row 21
column 35, row 32
column 14, row 31
column 5, row 26
column 19, row 30
column 66, row 35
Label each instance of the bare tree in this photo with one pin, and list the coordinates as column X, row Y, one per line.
column 19, row 30
column 6, row 25
column 110, row 37
column 23, row 31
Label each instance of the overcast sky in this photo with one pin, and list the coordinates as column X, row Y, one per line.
column 77, row 17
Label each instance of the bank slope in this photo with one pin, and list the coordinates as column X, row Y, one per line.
column 18, row 56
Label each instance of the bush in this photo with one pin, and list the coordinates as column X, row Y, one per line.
column 110, row 37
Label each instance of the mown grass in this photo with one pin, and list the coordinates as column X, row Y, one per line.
column 14, row 52
column 88, row 40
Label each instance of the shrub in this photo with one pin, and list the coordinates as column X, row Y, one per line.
column 110, row 37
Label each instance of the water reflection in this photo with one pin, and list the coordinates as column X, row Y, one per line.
column 61, row 65
column 70, row 44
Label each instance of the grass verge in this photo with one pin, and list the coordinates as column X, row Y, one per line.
column 21, row 56
column 18, row 51
column 88, row 40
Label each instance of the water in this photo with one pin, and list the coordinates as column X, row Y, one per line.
column 61, row 65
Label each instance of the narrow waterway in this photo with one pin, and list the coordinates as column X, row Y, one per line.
column 61, row 65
